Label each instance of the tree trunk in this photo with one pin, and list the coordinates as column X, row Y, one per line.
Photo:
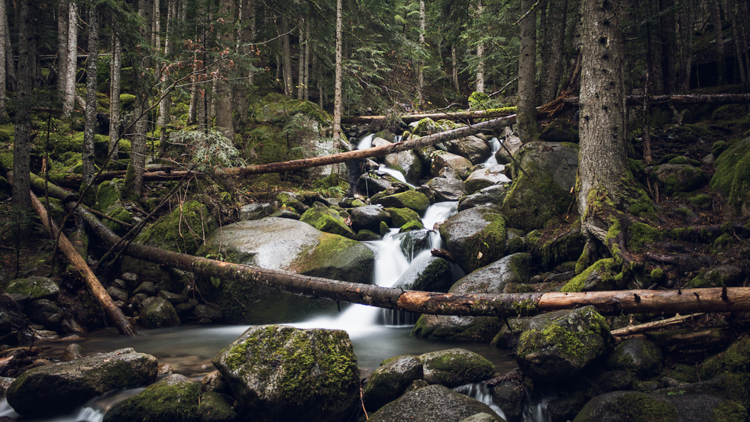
column 21, row 200
column 743, row 13
column 146, row 11
column 527, row 74
column 455, row 116
column 72, row 67
column 63, row 26
column 552, row 55
column 653, row 48
column 480, row 52
column 165, row 104
column 87, row 155
column 668, row 39
column 731, row 11
column 287, row 58
column 454, row 71
column 223, row 89
column 339, row 74
column 721, row 73
column 502, row 305
column 420, row 62
column 301, row 62
column 246, row 36
column 306, row 76
column 685, row 43
column 114, row 100
column 156, row 40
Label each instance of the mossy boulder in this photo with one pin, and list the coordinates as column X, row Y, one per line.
column 563, row 346
column 64, row 386
column 411, row 199
column 544, row 186
column 476, row 237
column 428, row 126
column 374, row 182
column 427, row 273
column 389, row 381
column 407, row 163
column 292, row 201
column 736, row 359
column 432, row 403
column 278, row 108
column 327, row 220
column 637, row 355
column 369, row 217
column 281, row 373
column 602, row 275
column 442, row 159
column 25, row 290
column 181, row 230
column 489, row 279
column 492, row 196
column 454, row 367
column 401, row 216
column 728, row 386
column 447, row 186
column 157, row 312
column 732, row 178
column 217, row 407
column 676, row 178
column 720, row 276
column 281, row 244
column 172, row 399
column 471, row 147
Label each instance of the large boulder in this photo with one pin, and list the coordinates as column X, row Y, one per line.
column 563, row 346
column 471, row 147
column 454, row 367
column 511, row 144
column 25, row 290
column 377, row 181
column 542, row 185
column 486, row 177
column 280, row 373
column 459, row 164
column 369, row 217
column 407, row 163
column 157, row 312
column 45, row 312
column 638, row 355
column 476, row 237
column 173, row 399
column 492, row 196
column 389, row 381
column 327, row 220
column 732, row 179
column 447, row 186
column 490, row 279
column 411, row 199
column 427, row 273
column 62, row 387
column 282, row 244
column 675, row 178
column 432, row 403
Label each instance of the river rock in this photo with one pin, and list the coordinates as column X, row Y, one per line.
column 563, row 346
column 369, row 218
column 215, row 407
column 25, row 290
column 476, row 237
column 486, row 177
column 45, row 312
column 64, row 386
column 638, row 355
column 720, row 276
column 173, row 298
column 482, row 417
column 491, row 196
column 147, row 288
column 490, row 279
column 157, row 312
column 208, row 312
column 293, row 201
column 411, row 199
column 447, row 186
column 173, row 399
column 432, row 403
column 427, row 273
column 214, row 382
column 407, row 163
column 459, row 164
column 552, row 167
column 471, row 147
column 401, row 216
column 282, row 244
column 454, row 367
column 510, row 394
column 735, row 359
column 72, row 352
column 674, row 178
column 327, row 220
column 256, row 211
column 377, row 181
column 389, row 381
column 280, row 373
column 117, row 293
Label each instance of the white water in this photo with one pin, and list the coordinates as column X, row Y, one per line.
column 366, row 141
column 480, row 392
column 396, row 174
column 494, row 147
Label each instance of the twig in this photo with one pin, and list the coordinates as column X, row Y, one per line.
column 650, row 326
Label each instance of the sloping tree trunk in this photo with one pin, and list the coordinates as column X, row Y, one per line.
column 22, row 143
column 72, row 67
column 63, row 26
column 339, row 74
column 223, row 89
column 552, row 54
column 87, row 155
column 527, row 73
column 114, row 100
column 721, row 72
column 480, row 52
column 287, row 58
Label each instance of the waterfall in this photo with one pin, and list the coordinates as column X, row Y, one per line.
column 494, row 147
column 365, row 142
column 533, row 411
column 480, row 392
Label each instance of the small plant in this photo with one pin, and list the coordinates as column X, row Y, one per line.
column 209, row 151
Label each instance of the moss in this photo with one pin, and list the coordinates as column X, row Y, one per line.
column 642, row 237
column 732, row 176
column 107, row 195
column 127, row 101
column 658, row 276
column 562, row 246
column 736, row 359
column 401, row 216
column 413, row 200
column 277, row 108
column 723, row 241
column 730, row 411
column 181, row 230
column 718, row 147
column 411, row 226
column 702, row 201
column 633, row 407
column 526, row 307
column 327, row 220
column 160, row 402
column 684, row 160
column 607, row 271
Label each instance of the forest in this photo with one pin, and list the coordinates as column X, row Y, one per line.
column 350, row 210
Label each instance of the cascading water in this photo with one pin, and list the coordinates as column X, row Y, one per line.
column 494, row 147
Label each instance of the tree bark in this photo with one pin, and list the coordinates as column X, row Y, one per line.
column 480, row 52
column 628, row 301
column 22, row 144
column 339, row 74
column 457, row 116
column 165, row 104
column 72, row 67
column 63, row 26
column 527, row 73
column 731, row 11
column 420, row 62
column 454, row 71
column 653, row 47
column 719, row 39
column 668, row 38
column 156, row 40
column 287, row 58
column 552, row 54
column 306, row 76
column 223, row 89
column 684, row 43
column 301, row 61
column 87, row 155
column 114, row 98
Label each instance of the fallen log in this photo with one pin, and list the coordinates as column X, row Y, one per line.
column 509, row 304
column 458, row 115
column 682, row 99
column 95, row 287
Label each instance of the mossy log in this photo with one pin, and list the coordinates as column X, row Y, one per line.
column 615, row 302
column 105, row 301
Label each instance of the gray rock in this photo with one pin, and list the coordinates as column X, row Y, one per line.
column 512, row 143
column 172, row 399
column 471, row 147
column 390, row 380
column 117, row 293
column 214, row 382
column 158, row 313
column 369, row 217
column 491, row 196
column 173, row 298
column 215, row 407
column 476, row 237
column 486, row 177
column 64, row 386
column 638, row 355
column 414, row 242
column 280, row 373
column 6, row 323
column 291, row 215
column 293, row 201
column 374, row 182
column 25, row 290
column 256, row 211
column 563, row 346
column 147, row 288
column 185, row 308
column 447, row 189
column 72, row 352
column 454, row 367
column 411, row 199
column 432, row 403
column 427, row 273
column 406, row 162
column 121, row 284
column 131, row 279
column 327, row 220
column 674, row 178
column 510, row 394
column 205, row 311
column 482, row 417
column 70, row 326
column 460, row 165
column 44, row 312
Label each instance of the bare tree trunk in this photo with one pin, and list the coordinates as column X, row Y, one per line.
column 306, row 76
column 156, row 39
column 72, row 67
column 165, row 104
column 114, row 100
column 147, row 14
column 10, row 71
column 194, row 94
column 420, row 62
column 731, row 11
column 223, row 90
column 480, row 53
column 454, row 71
column 719, row 38
column 668, row 39
column 654, row 48
column 287, row 58
column 552, row 56
column 527, row 73
column 246, row 36
column 301, row 63
column 87, row 155
column 685, row 43
column 339, row 72
column 63, row 26
column 21, row 200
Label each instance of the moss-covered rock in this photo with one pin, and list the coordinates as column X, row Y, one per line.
column 411, row 199
column 327, row 220
column 454, row 367
column 432, row 403
column 25, row 290
column 64, row 386
column 719, row 276
column 216, row 407
column 476, row 237
column 389, row 381
column 627, row 406
column 736, row 359
column 564, row 345
column 157, row 312
column 401, row 216
column 411, row 226
column 732, row 178
column 676, row 178
column 282, row 373
column 181, row 230
column 638, row 355
column 602, row 275
column 172, row 399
